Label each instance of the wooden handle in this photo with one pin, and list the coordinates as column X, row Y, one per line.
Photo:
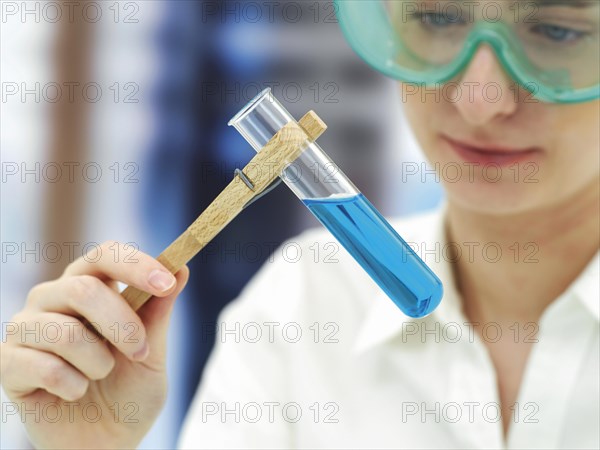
column 262, row 170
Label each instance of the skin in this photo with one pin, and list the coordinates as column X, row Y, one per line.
column 557, row 215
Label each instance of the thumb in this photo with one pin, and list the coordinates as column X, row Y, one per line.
column 156, row 315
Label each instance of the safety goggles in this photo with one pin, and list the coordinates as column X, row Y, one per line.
column 549, row 47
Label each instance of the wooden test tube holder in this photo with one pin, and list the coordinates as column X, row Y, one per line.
column 266, row 166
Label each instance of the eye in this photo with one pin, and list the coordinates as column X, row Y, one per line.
column 557, row 33
column 438, row 20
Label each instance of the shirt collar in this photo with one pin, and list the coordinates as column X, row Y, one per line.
column 384, row 320
column 586, row 287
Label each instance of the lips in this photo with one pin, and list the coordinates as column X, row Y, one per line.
column 491, row 154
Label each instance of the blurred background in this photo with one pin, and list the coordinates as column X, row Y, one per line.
column 114, row 126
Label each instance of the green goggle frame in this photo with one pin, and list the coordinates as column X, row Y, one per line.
column 367, row 27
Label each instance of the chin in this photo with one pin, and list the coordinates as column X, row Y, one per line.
column 501, row 198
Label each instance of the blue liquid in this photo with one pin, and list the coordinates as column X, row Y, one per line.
column 386, row 257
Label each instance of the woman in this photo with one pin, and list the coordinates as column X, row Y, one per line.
column 502, row 97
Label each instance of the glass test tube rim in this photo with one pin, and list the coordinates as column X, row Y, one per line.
column 242, row 113
column 258, row 100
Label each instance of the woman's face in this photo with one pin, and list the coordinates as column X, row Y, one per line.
column 502, row 151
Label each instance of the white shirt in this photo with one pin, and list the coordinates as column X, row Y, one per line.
column 376, row 378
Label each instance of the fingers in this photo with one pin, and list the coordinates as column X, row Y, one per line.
column 156, row 314
column 68, row 338
column 44, row 370
column 48, row 349
column 121, row 262
column 88, row 297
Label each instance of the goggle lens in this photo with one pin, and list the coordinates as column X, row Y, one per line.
column 551, row 44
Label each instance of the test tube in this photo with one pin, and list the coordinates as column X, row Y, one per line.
column 345, row 212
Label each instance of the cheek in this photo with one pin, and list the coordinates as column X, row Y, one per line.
column 577, row 147
column 422, row 118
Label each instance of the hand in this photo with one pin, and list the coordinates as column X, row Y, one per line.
column 73, row 388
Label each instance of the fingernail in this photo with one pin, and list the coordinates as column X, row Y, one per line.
column 143, row 353
column 161, row 280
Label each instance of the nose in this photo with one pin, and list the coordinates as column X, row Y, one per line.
column 486, row 93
